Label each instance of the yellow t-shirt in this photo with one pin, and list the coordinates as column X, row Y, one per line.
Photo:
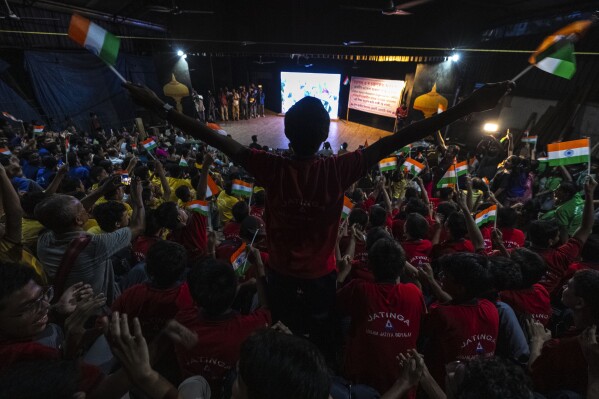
column 15, row 253
column 175, row 183
column 225, row 203
column 30, row 231
column 95, row 230
column 127, row 206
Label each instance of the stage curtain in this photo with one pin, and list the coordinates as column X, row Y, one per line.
column 15, row 105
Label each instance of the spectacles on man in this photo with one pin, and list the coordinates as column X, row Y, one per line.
column 37, row 305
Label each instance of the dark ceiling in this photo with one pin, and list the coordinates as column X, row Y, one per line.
column 320, row 23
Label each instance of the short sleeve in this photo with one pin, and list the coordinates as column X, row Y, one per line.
column 261, row 165
column 561, row 217
column 111, row 243
column 571, row 249
column 350, row 168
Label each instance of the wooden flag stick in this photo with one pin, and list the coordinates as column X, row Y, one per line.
column 117, row 73
column 524, row 72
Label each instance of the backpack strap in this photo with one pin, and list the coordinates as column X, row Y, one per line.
column 75, row 248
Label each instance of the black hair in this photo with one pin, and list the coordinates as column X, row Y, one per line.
column 376, row 234
column 175, row 171
column 183, row 193
column 31, row 199
column 359, row 216
column 255, row 138
column 386, row 259
column 506, row 217
column 240, row 211
column 378, row 216
column 213, row 286
column 55, row 213
column 568, row 188
column 357, row 195
column 469, row 270
column 259, row 198
column 69, row 185
column 167, row 215
column 590, row 249
column 49, row 162
column 40, row 379
column 456, row 224
column 494, row 378
column 108, row 214
column 445, row 193
column 249, row 226
column 141, row 171
column 95, row 173
column 416, row 205
column 506, row 273
column 541, row 231
column 586, row 285
column 13, row 277
column 446, row 208
column 307, row 125
column 532, row 266
column 109, row 195
column 410, row 193
column 165, row 263
column 416, row 226
column 273, row 365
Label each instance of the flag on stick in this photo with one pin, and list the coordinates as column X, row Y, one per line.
column 347, row 207
column 461, row 168
column 242, row 188
column 530, row 139
column 239, row 260
column 569, row 152
column 388, row 164
column 9, row 116
column 199, row 206
column 94, row 38
column 488, row 215
column 211, row 189
column 413, row 166
column 38, row 129
column 449, row 179
column 5, row 151
column 555, row 55
column 149, row 144
column 183, row 163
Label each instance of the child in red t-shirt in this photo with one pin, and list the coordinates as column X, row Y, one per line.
column 416, row 246
column 466, row 327
column 220, row 330
column 231, row 229
column 385, row 318
column 456, row 241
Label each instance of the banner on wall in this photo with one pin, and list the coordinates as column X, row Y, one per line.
column 375, row 96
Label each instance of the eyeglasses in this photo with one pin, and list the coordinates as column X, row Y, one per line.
column 37, row 305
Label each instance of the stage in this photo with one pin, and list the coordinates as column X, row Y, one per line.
column 270, row 132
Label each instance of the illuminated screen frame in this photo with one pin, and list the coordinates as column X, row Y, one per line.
column 324, row 86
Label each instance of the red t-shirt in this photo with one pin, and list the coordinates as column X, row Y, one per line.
column 417, row 251
column 226, row 249
column 561, row 366
column 450, row 247
column 154, row 307
column 459, row 332
column 360, row 252
column 219, row 343
column 398, row 226
column 304, row 199
column 512, row 238
column 141, row 246
column 231, row 230
column 576, row 266
column 385, row 321
column 533, row 301
column 257, row 211
column 193, row 236
column 12, row 352
column 558, row 260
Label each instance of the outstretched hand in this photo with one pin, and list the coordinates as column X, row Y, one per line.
column 143, row 96
column 488, row 96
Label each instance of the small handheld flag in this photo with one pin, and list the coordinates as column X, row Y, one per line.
column 239, row 260
column 67, row 145
column 199, row 206
column 388, row 164
column 488, row 215
column 211, row 189
column 449, row 179
column 569, row 152
column 347, row 207
column 530, row 139
column 149, row 144
column 38, row 129
column 461, row 168
column 413, row 166
column 346, row 80
column 5, row 151
column 9, row 116
column 241, row 188
column 183, row 163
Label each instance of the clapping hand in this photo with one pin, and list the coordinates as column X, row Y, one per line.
column 73, row 295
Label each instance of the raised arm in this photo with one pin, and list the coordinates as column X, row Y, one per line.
column 138, row 218
column 588, row 212
column 159, row 171
column 62, row 172
column 203, row 182
column 148, row 99
column 12, row 208
column 473, row 231
column 110, row 184
column 482, row 99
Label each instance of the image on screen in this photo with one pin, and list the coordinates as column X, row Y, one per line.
column 324, row 86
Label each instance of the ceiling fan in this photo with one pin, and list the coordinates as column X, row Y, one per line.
column 10, row 14
column 175, row 10
column 391, row 8
column 260, row 62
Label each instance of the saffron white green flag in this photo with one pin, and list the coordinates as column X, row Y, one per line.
column 569, row 152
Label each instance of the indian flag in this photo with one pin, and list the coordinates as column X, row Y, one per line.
column 405, row 150
column 488, row 215
column 199, row 206
column 347, row 207
column 134, row 146
column 569, row 152
column 9, row 116
column 149, row 144
column 239, row 260
column 388, row 164
column 94, row 38
column 441, row 108
column 486, row 181
column 449, row 179
column 461, row 168
column 242, row 188
column 530, row 139
column 183, row 163
column 67, row 145
column 556, row 53
column 38, row 129
column 211, row 189
column 5, row 151
column 413, row 166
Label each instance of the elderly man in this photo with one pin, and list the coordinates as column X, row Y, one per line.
column 82, row 256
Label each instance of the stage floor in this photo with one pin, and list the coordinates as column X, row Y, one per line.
column 270, row 132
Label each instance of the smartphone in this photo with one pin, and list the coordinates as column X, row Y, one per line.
column 125, row 179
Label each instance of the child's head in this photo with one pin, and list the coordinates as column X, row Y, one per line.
column 456, row 225
column 582, row 296
column 111, row 216
column 307, row 126
column 165, row 263
column 543, row 233
column 416, row 227
column 416, row 205
column 386, row 259
column 590, row 250
column 183, row 193
column 358, row 216
column 532, row 266
column 240, row 211
column 506, row 274
column 506, row 217
column 213, row 286
column 252, row 228
column 378, row 216
column 464, row 276
column 170, row 216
